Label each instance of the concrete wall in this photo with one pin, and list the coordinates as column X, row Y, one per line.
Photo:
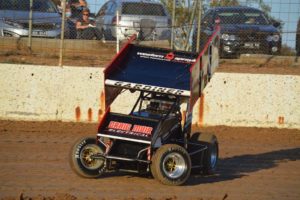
column 257, row 100
column 50, row 93
column 76, row 94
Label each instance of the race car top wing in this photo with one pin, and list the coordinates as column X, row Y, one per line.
column 157, row 70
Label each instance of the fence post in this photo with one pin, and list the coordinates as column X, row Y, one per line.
column 173, row 24
column 199, row 26
column 117, row 35
column 29, row 42
column 62, row 34
column 187, row 46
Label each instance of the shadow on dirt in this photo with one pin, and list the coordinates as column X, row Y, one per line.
column 240, row 166
column 233, row 167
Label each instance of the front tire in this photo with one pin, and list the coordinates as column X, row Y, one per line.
column 81, row 160
column 171, row 165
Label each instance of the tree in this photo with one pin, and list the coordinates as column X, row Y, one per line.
column 183, row 10
column 56, row 2
column 216, row 3
column 186, row 13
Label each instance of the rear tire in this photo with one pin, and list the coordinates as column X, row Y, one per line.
column 171, row 165
column 211, row 154
column 81, row 161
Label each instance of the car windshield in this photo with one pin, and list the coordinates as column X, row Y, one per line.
column 24, row 5
column 243, row 18
column 143, row 9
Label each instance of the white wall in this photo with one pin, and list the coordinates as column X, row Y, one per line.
column 49, row 93
column 43, row 93
column 261, row 100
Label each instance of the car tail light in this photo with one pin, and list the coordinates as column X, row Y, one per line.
column 114, row 20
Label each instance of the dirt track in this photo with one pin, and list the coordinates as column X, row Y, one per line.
column 254, row 164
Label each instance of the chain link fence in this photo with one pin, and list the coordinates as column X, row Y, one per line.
column 90, row 32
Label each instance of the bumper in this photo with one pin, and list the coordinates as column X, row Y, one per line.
column 157, row 34
column 13, row 32
column 235, row 47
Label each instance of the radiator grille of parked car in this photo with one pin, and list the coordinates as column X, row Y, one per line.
column 49, row 26
column 252, row 36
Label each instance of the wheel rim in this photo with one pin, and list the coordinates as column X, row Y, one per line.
column 87, row 161
column 174, row 165
column 213, row 156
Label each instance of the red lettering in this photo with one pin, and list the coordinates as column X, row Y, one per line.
column 147, row 130
column 142, row 129
column 119, row 126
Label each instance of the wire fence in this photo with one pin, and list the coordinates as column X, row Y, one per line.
column 90, row 32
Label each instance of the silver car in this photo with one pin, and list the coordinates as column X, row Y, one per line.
column 134, row 16
column 14, row 19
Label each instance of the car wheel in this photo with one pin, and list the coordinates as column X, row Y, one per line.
column 171, row 165
column 82, row 161
column 211, row 154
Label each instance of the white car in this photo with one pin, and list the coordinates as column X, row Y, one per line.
column 14, row 19
column 152, row 16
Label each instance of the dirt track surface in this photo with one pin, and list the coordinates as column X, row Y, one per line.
column 254, row 163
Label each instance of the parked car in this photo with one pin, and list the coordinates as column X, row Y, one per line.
column 14, row 19
column 134, row 15
column 243, row 30
column 298, row 38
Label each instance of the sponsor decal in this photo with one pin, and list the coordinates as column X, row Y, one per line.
column 168, row 57
column 184, row 60
column 78, row 149
column 119, row 125
column 142, row 129
column 128, row 133
column 149, row 88
column 125, row 128
column 150, row 55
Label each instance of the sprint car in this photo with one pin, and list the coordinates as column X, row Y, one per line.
column 155, row 135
